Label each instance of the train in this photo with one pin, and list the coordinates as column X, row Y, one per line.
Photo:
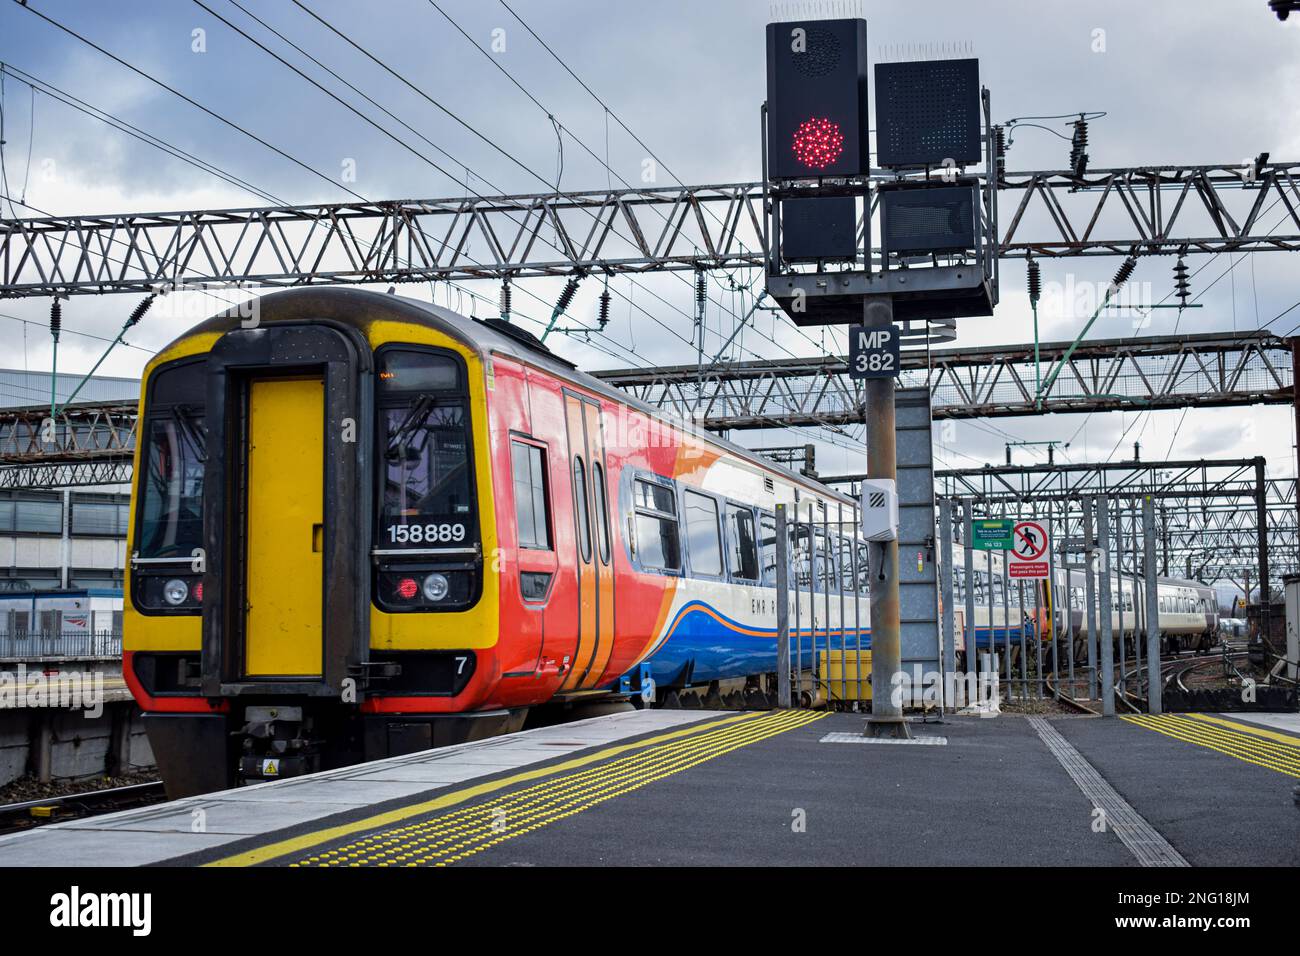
column 1187, row 611
column 363, row 525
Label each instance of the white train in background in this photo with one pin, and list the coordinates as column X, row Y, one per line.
column 1187, row 611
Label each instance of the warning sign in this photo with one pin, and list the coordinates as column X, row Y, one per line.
column 1027, row 557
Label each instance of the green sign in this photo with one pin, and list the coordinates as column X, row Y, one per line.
column 992, row 534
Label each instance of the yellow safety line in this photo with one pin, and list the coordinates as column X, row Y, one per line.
column 304, row 841
column 476, row 829
column 1235, row 746
column 575, row 782
column 1281, row 736
column 559, row 786
column 1253, row 745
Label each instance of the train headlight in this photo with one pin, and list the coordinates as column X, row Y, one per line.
column 435, row 587
column 175, row 592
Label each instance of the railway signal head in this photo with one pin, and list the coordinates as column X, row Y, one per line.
column 817, row 98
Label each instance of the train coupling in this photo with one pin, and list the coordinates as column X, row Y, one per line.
column 275, row 745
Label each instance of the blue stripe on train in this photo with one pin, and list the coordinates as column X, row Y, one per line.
column 705, row 645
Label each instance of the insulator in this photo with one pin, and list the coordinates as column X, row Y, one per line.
column 566, row 296
column 1182, row 288
column 1000, row 142
column 1035, row 282
column 56, row 318
column 505, row 299
column 140, row 310
column 701, row 287
column 602, row 318
column 1079, row 146
column 1124, row 271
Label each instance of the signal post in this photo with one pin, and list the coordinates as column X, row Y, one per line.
column 937, row 257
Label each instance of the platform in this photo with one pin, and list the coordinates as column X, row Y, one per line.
column 726, row 788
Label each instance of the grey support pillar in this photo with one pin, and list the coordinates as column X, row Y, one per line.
column 886, row 627
column 1107, row 634
column 945, row 552
column 1152, row 599
column 1090, row 595
column 782, row 610
column 972, row 652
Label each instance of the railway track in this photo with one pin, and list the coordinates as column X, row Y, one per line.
column 1173, row 670
column 34, row 813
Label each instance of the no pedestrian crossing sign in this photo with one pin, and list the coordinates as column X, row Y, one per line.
column 1027, row 558
column 991, row 534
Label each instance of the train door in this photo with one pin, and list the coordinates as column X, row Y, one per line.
column 284, row 521
column 595, row 555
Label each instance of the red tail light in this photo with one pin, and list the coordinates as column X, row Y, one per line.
column 407, row 588
column 198, row 592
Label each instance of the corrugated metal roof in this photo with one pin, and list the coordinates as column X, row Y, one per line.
column 19, row 389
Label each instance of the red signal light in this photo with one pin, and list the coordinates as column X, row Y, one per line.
column 818, row 142
column 406, row 588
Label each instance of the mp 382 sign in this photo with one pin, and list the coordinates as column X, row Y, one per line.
column 873, row 352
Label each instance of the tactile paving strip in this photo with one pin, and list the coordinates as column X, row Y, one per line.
column 1143, row 840
column 1261, row 747
column 450, row 836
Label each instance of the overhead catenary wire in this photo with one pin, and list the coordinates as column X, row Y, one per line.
column 233, row 125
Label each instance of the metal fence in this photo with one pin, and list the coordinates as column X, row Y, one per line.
column 822, row 606
column 44, row 646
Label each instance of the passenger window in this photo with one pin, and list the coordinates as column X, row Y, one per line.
column 702, row 540
column 532, row 508
column 767, row 548
column 657, row 537
column 602, row 510
column 744, row 549
column 846, row 565
column 581, row 515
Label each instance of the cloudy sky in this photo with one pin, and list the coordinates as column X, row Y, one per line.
column 1180, row 81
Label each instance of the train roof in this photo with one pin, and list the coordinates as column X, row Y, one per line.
column 359, row 307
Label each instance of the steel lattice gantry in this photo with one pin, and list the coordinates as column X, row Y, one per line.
column 1217, row 519
column 1205, row 370
column 90, row 443
column 1139, row 211
column 94, row 441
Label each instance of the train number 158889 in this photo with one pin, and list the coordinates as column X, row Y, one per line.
column 426, row 533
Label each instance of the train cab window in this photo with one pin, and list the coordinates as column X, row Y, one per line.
column 742, row 546
column 580, row 513
column 532, row 506
column 658, row 545
column 426, row 487
column 602, row 510
column 702, row 539
column 767, row 547
column 171, row 487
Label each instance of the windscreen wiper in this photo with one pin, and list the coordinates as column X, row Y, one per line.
column 193, row 432
column 414, row 420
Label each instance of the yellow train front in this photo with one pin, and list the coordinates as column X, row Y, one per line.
column 272, row 627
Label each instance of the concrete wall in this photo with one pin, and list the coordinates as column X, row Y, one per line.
column 65, row 745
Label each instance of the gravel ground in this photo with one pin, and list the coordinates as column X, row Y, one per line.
column 1047, row 707
column 29, row 788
